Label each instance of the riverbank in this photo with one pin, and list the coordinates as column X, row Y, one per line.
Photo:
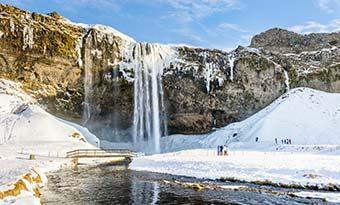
column 22, row 179
column 27, row 177
column 301, row 170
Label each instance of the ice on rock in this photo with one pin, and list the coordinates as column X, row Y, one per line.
column 231, row 58
column 27, row 37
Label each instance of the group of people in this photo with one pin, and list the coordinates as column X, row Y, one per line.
column 284, row 141
column 222, row 150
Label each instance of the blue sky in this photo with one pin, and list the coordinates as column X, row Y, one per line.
column 222, row 24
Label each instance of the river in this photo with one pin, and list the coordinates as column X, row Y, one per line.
column 119, row 185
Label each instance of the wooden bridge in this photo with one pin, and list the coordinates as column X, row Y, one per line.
column 99, row 153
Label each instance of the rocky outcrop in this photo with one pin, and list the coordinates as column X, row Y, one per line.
column 86, row 73
column 313, row 60
column 40, row 51
column 278, row 40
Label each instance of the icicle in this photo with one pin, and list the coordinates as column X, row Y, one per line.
column 231, row 58
column 286, row 80
column 208, row 71
column 27, row 34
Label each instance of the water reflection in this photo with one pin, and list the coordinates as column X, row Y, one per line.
column 144, row 192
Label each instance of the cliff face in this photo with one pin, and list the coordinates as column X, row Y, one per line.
column 278, row 40
column 87, row 73
column 313, row 60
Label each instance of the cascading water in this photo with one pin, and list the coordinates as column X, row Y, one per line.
column 88, row 80
column 148, row 61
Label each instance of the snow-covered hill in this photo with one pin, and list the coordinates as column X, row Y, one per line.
column 308, row 117
column 22, row 122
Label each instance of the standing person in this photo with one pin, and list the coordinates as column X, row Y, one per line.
column 275, row 140
column 225, row 150
column 218, row 150
column 256, row 139
column 221, row 149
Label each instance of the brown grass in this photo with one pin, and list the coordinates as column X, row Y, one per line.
column 21, row 186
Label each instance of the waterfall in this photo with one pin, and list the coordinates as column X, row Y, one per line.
column 149, row 120
column 88, row 80
column 146, row 63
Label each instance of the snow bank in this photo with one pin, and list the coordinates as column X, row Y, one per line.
column 330, row 197
column 251, row 166
column 308, row 117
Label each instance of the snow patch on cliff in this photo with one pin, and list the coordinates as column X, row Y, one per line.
column 111, row 31
column 27, row 37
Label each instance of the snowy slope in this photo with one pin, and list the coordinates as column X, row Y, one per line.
column 26, row 129
column 22, row 122
column 306, row 116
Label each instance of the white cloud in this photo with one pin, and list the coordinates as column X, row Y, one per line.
column 234, row 27
column 190, row 10
column 329, row 5
column 316, row 27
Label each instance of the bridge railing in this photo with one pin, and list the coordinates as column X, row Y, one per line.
column 100, row 153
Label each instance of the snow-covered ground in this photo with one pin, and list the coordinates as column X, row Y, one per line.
column 26, row 129
column 278, row 167
column 310, row 118
column 251, row 166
